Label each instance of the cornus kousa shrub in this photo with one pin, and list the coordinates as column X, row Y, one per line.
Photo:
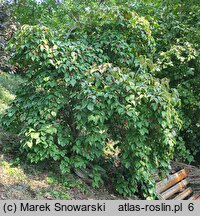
column 137, row 113
column 73, row 102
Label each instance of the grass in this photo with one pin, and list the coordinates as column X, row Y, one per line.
column 32, row 183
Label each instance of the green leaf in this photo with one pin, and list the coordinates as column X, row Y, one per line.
column 90, row 106
column 53, row 113
column 35, row 135
column 73, row 82
column 29, row 144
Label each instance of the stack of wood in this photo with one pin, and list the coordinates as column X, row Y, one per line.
column 175, row 187
column 193, row 176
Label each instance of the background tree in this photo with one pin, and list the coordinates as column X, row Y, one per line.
column 176, row 30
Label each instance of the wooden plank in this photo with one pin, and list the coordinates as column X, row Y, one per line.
column 194, row 197
column 176, row 188
column 172, row 180
column 184, row 194
column 198, row 198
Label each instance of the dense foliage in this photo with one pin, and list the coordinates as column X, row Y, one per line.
column 96, row 78
column 94, row 88
column 176, row 29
